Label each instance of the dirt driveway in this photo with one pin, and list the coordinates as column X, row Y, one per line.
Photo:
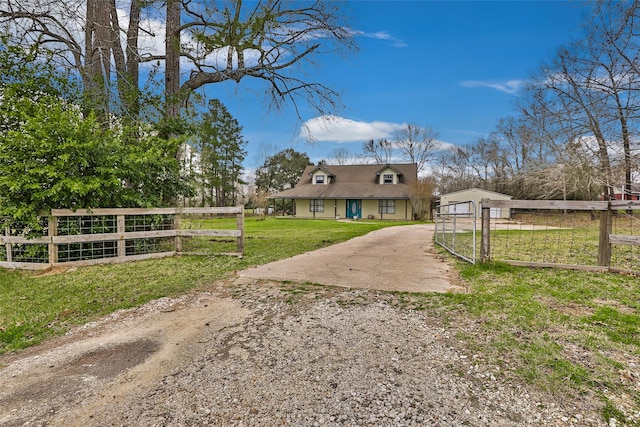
column 391, row 259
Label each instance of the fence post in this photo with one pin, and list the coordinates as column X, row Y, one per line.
column 7, row 233
column 604, row 247
column 52, row 232
column 485, row 243
column 177, row 225
column 122, row 243
column 240, row 226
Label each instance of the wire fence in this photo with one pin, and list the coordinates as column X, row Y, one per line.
column 117, row 235
column 581, row 235
column 456, row 229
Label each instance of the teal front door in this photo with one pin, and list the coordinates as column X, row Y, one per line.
column 354, row 209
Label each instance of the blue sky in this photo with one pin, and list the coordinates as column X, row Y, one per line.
column 454, row 66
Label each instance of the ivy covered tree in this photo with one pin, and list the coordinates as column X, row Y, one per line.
column 281, row 171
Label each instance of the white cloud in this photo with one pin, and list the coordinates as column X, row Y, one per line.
column 444, row 146
column 340, row 129
column 381, row 35
column 510, row 86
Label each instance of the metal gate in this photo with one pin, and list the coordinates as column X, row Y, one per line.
column 456, row 229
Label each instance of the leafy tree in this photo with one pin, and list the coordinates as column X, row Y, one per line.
column 52, row 155
column 222, row 150
column 282, row 170
column 54, row 159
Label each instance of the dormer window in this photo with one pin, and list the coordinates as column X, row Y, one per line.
column 387, row 178
column 319, row 179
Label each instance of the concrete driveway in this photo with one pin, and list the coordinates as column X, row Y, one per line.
column 400, row 258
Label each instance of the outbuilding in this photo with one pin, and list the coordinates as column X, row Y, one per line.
column 463, row 201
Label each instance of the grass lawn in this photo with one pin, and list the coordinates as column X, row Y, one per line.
column 36, row 306
column 571, row 239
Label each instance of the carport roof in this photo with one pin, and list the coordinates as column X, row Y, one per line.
column 479, row 190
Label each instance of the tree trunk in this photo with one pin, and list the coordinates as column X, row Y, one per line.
column 98, row 58
column 172, row 61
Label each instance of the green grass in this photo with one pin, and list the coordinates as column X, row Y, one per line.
column 34, row 307
column 570, row 238
column 562, row 331
column 576, row 246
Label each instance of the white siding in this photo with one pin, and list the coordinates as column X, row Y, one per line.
column 476, row 195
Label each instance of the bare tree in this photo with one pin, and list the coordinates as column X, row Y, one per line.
column 417, row 144
column 341, row 156
column 265, row 40
column 570, row 79
column 269, row 40
column 380, row 151
column 421, row 194
column 453, row 170
column 615, row 46
column 84, row 35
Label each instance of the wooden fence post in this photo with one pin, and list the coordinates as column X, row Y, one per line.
column 604, row 246
column 7, row 233
column 240, row 226
column 52, row 232
column 177, row 225
column 122, row 243
column 485, row 243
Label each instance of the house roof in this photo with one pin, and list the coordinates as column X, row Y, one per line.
column 317, row 168
column 353, row 182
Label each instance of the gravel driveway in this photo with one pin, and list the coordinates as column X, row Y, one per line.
column 257, row 352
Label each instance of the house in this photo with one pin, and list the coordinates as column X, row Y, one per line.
column 353, row 191
column 465, row 200
column 622, row 194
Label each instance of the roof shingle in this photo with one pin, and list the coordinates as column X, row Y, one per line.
column 353, row 182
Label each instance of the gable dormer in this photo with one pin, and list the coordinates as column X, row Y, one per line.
column 389, row 175
column 320, row 176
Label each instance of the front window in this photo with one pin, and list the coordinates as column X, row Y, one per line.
column 319, row 179
column 387, row 206
column 388, row 178
column 316, row 205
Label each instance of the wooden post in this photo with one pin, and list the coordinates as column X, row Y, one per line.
column 7, row 233
column 485, row 244
column 53, row 231
column 604, row 246
column 177, row 225
column 122, row 243
column 240, row 226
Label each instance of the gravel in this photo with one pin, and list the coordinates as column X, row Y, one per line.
column 320, row 360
